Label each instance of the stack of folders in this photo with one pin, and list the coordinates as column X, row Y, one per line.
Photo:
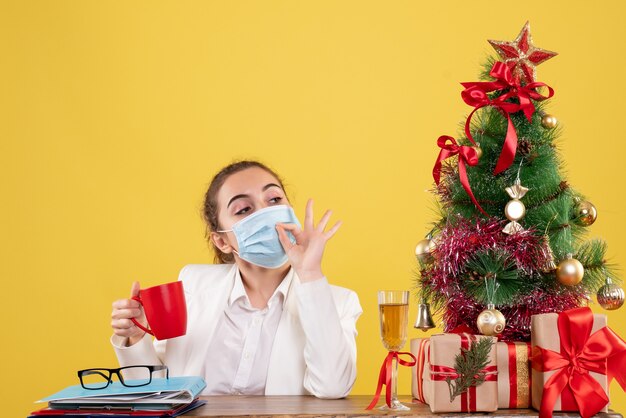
column 161, row 398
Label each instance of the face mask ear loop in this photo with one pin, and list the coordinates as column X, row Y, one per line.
column 228, row 230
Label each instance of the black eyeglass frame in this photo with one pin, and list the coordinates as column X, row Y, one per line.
column 111, row 372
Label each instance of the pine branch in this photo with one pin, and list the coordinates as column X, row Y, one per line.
column 470, row 365
column 499, row 266
column 592, row 256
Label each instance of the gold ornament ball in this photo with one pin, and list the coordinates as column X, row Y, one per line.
column 491, row 322
column 549, row 121
column 479, row 151
column 610, row 296
column 586, row 213
column 515, row 210
column 423, row 249
column 570, row 272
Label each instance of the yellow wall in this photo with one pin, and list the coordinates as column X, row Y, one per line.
column 114, row 116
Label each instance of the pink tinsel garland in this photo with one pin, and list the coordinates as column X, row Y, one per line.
column 460, row 241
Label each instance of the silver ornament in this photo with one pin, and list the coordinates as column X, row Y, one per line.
column 424, row 318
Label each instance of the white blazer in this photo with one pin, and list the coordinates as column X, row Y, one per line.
column 314, row 350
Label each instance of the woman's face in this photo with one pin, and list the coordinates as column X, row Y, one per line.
column 242, row 194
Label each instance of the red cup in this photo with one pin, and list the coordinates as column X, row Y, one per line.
column 166, row 310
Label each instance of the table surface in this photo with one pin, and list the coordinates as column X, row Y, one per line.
column 352, row 406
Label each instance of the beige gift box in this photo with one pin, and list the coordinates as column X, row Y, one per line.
column 440, row 355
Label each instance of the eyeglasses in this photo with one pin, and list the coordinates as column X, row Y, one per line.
column 131, row 376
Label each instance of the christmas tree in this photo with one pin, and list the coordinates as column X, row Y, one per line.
column 510, row 242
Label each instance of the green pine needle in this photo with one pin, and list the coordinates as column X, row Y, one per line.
column 470, row 365
column 592, row 254
column 498, row 266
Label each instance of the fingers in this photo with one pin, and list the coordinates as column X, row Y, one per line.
column 293, row 228
column 123, row 311
column 126, row 304
column 123, row 325
column 332, row 230
column 283, row 238
column 322, row 224
column 126, row 328
column 134, row 290
column 126, row 313
column 126, row 309
column 308, row 215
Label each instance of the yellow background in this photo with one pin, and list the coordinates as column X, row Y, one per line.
column 115, row 115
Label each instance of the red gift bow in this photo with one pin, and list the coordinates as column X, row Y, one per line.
column 466, row 155
column 443, row 373
column 475, row 94
column 384, row 378
column 603, row 352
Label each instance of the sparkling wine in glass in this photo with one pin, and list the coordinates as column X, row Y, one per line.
column 393, row 308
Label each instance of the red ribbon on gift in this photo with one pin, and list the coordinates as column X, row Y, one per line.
column 443, row 373
column 475, row 94
column 467, row 155
column 384, row 378
column 514, row 401
column 581, row 352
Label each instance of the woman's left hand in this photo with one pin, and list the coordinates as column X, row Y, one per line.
column 306, row 254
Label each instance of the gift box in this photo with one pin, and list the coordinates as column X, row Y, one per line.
column 569, row 361
column 419, row 347
column 440, row 373
column 514, row 377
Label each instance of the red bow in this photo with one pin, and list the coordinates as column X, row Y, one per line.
column 475, row 94
column 466, row 155
column 580, row 354
column 384, row 378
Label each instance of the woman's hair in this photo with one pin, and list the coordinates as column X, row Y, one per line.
column 210, row 210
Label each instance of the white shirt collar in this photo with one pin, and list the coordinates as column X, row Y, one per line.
column 240, row 292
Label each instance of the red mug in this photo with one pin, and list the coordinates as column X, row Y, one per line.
column 166, row 310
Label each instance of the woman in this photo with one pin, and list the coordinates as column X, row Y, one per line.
column 264, row 320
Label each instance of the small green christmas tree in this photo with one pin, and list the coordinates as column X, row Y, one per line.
column 511, row 232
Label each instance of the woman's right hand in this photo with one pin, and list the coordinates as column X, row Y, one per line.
column 123, row 311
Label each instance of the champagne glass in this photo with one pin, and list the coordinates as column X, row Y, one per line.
column 393, row 307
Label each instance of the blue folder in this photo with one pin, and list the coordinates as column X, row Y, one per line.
column 175, row 390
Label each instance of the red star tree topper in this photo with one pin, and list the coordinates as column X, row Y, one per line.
column 521, row 56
